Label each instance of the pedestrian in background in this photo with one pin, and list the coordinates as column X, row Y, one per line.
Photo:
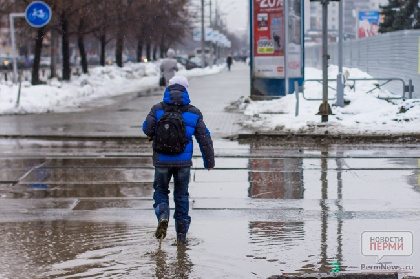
column 169, row 65
column 176, row 100
column 229, row 61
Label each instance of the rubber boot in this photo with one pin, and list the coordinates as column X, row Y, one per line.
column 181, row 232
column 162, row 213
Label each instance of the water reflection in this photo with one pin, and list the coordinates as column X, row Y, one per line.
column 179, row 267
column 324, row 212
column 284, row 235
column 272, row 178
column 414, row 164
column 36, row 248
column 284, row 179
column 40, row 174
column 340, row 208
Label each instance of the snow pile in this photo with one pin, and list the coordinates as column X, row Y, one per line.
column 365, row 114
column 101, row 83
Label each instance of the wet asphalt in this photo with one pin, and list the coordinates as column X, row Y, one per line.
column 76, row 188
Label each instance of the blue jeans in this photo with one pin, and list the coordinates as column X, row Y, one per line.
column 161, row 195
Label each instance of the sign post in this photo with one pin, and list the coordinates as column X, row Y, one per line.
column 12, row 17
column 37, row 14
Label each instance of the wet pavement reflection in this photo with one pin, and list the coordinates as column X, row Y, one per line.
column 83, row 209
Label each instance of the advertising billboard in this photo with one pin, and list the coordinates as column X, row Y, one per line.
column 268, row 39
column 368, row 24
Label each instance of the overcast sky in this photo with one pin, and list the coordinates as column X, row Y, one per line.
column 236, row 16
column 233, row 12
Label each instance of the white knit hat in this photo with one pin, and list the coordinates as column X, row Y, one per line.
column 181, row 80
column 170, row 53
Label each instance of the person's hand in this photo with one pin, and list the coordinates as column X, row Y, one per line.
column 209, row 169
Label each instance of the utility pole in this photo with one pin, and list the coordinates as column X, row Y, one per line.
column 210, row 14
column 340, row 85
column 286, row 47
column 202, row 34
column 324, row 108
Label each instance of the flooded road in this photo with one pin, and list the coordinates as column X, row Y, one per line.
column 83, row 209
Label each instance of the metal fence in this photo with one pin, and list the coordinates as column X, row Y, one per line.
column 394, row 54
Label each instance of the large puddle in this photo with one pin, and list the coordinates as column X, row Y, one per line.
column 82, row 209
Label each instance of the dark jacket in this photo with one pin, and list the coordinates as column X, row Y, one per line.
column 177, row 95
column 229, row 60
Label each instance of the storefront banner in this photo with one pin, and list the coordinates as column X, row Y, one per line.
column 268, row 38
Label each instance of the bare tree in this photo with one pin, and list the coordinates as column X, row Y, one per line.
column 105, row 19
column 86, row 23
column 123, row 13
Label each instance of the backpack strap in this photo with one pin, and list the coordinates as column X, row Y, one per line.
column 165, row 106
column 184, row 108
column 180, row 109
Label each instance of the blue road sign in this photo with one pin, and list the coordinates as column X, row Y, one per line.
column 38, row 14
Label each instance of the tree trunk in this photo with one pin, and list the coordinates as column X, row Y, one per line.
column 139, row 50
column 53, row 54
column 119, row 46
column 102, row 39
column 162, row 47
column 81, row 45
column 155, row 52
column 148, row 51
column 119, row 50
column 37, row 57
column 65, row 47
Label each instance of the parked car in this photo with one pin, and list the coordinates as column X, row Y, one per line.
column 132, row 59
column 6, row 63
column 187, row 63
column 93, row 60
column 45, row 62
column 198, row 61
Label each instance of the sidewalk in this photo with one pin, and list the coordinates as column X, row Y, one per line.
column 125, row 115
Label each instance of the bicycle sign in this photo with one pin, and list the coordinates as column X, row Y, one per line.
column 38, row 14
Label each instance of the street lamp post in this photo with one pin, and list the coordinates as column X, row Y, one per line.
column 202, row 34
column 340, row 85
column 324, row 108
column 286, row 47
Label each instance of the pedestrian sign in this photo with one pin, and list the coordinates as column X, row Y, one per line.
column 38, row 14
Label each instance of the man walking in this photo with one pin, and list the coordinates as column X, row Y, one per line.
column 229, row 61
column 172, row 156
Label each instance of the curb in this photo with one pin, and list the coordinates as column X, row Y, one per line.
column 344, row 276
column 76, row 137
column 245, row 138
column 329, row 138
